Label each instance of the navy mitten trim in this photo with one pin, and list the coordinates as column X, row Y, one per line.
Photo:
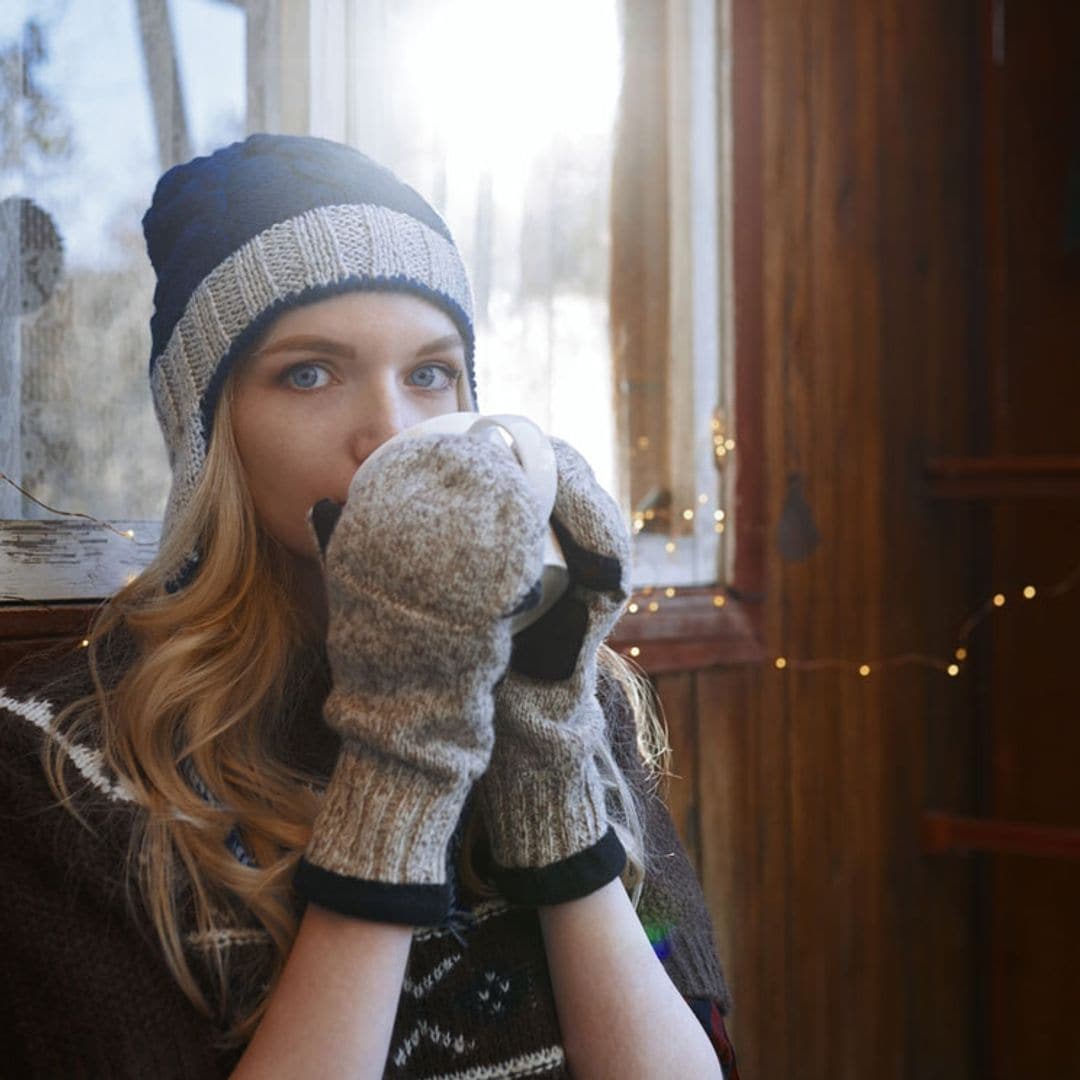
column 324, row 518
column 548, row 649
column 569, row 879
column 601, row 573
column 378, row 901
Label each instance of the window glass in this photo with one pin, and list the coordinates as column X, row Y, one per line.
column 504, row 113
column 82, row 144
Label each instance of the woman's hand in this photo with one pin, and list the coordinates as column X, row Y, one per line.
column 440, row 541
column 543, row 796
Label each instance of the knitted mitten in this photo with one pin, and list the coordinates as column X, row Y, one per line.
column 543, row 797
column 439, row 542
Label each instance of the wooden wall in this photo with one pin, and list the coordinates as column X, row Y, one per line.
column 850, row 954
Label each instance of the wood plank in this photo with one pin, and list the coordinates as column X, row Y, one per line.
column 942, row 834
column 1005, row 477
column 926, row 748
column 744, row 839
column 1033, row 85
column 46, row 561
column 677, row 701
column 748, row 570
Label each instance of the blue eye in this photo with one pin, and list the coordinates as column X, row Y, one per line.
column 307, row 376
column 435, row 377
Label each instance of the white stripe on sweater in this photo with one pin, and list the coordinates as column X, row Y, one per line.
column 224, row 937
column 540, row 1061
column 433, row 1033
column 87, row 760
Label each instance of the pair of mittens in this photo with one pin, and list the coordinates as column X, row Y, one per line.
column 439, row 543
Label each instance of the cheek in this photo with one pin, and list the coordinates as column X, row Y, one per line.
column 289, row 468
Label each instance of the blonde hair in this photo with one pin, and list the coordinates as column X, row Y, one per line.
column 216, row 678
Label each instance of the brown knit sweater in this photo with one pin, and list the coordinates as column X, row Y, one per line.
column 86, row 991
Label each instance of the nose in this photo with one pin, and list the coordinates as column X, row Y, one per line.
column 379, row 412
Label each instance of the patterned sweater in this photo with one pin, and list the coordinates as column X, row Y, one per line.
column 86, row 991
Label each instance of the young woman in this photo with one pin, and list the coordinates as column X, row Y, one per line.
column 304, row 806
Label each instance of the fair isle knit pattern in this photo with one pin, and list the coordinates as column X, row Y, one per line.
column 314, row 255
column 87, row 992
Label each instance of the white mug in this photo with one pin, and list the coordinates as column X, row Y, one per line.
column 533, row 451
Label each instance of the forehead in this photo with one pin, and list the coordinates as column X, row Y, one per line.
column 363, row 314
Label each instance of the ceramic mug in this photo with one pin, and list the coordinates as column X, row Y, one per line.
column 521, row 437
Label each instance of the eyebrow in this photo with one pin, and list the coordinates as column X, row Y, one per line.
column 313, row 342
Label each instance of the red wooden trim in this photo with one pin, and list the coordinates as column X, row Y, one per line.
column 1004, row 477
column 689, row 632
column 748, row 573
column 945, row 833
column 57, row 621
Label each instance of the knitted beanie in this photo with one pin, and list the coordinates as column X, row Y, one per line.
column 260, row 227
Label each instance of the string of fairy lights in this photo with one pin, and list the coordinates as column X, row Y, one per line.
column 864, row 668
column 649, row 600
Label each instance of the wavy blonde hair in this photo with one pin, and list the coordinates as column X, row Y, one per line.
column 215, row 679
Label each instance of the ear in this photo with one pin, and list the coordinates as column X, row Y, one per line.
column 323, row 518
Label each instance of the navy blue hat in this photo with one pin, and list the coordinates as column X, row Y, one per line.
column 257, row 228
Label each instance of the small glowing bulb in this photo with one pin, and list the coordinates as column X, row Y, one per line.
column 718, row 527
column 961, row 653
column 669, row 547
column 721, row 451
column 638, row 526
column 864, row 670
column 953, row 670
column 669, row 592
column 729, row 444
column 650, row 514
column 702, row 499
column 85, row 643
column 718, row 515
column 719, row 601
column 654, row 606
column 634, row 650
column 1029, row 592
column 780, row 662
column 129, row 533
column 688, row 515
column 633, row 609
column 999, row 600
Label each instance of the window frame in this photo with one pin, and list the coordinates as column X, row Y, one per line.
column 76, row 564
column 689, row 631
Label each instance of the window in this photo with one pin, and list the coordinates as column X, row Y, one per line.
column 505, row 115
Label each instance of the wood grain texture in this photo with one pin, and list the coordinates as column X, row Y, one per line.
column 856, row 958
column 43, row 561
column 640, row 330
column 1032, row 131
column 681, row 789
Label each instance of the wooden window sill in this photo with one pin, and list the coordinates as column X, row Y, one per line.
column 688, row 631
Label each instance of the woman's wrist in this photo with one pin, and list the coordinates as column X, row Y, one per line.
column 332, row 1011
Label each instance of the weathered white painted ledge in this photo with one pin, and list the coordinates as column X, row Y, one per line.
column 43, row 561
